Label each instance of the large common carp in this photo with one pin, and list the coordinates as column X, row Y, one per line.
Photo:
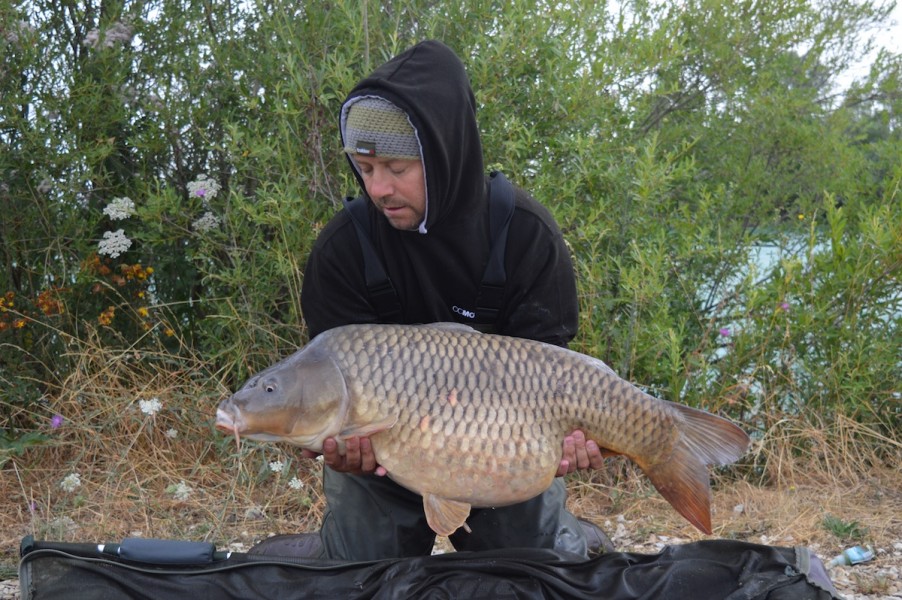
column 468, row 419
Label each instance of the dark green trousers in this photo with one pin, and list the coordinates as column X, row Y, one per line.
column 373, row 518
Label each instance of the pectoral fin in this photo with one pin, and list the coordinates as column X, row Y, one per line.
column 368, row 429
column 365, row 430
column 445, row 516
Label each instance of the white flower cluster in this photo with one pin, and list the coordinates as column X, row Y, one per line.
column 114, row 243
column 120, row 208
column 206, row 223
column 180, row 491
column 172, row 433
column 276, row 466
column 150, row 407
column 295, row 483
column 118, row 33
column 70, row 482
column 203, row 187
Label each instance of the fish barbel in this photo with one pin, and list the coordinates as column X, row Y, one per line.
column 470, row 419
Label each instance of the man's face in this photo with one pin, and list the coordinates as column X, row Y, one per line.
column 397, row 188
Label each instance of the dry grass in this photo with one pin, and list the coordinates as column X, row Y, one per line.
column 793, row 477
column 131, row 466
column 130, row 469
column 777, row 514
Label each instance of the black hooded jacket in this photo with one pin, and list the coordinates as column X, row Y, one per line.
column 436, row 271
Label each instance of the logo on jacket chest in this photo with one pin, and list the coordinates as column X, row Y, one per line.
column 467, row 314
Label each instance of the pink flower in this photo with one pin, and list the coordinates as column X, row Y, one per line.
column 784, row 306
column 56, row 422
column 725, row 331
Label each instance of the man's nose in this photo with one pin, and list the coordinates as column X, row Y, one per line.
column 379, row 184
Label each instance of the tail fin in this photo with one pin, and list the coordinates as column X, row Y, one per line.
column 682, row 477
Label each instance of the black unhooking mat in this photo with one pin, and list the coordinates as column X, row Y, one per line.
column 156, row 569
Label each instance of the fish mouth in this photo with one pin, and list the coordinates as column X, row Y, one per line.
column 225, row 422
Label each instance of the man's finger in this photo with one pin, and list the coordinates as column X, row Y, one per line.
column 330, row 451
column 569, row 449
column 352, row 453
column 596, row 458
column 579, row 444
column 568, row 457
column 367, row 457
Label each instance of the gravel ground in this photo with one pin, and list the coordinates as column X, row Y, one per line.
column 879, row 579
column 9, row 590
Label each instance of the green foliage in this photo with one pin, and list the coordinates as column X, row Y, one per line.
column 11, row 444
column 734, row 217
column 844, row 530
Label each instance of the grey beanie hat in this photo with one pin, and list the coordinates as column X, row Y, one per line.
column 373, row 126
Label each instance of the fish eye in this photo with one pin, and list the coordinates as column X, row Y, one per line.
column 270, row 387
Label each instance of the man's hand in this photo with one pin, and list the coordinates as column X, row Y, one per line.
column 358, row 458
column 579, row 454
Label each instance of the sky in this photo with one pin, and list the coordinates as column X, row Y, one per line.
column 889, row 36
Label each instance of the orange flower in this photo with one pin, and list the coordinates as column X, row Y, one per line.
column 7, row 301
column 48, row 302
column 106, row 317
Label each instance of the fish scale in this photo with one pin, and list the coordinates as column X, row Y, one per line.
column 467, row 419
column 524, row 378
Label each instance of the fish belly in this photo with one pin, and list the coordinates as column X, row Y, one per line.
column 481, row 470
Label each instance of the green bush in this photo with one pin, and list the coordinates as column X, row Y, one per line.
column 672, row 144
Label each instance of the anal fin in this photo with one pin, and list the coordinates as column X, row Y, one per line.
column 445, row 516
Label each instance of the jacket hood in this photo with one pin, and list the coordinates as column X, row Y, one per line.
column 430, row 84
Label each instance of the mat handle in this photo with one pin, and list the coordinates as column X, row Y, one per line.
column 164, row 552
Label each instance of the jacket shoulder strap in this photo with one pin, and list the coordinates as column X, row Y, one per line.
column 379, row 287
column 491, row 289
